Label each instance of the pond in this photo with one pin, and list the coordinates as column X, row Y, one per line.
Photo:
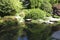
column 56, row 35
column 22, row 38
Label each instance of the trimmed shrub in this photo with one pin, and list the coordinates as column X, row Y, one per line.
column 35, row 14
column 53, row 1
column 41, row 4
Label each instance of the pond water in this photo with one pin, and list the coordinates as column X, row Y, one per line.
column 22, row 38
column 56, row 35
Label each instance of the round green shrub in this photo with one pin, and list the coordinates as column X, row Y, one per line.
column 35, row 14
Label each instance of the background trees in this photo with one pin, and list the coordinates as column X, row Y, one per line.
column 9, row 7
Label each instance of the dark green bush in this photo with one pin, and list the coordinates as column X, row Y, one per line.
column 54, row 1
column 9, row 7
column 41, row 4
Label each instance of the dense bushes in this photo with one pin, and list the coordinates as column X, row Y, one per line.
column 36, row 14
column 36, row 3
column 9, row 7
column 41, row 4
column 8, row 23
column 46, row 6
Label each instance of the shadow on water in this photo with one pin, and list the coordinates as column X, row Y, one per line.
column 23, row 36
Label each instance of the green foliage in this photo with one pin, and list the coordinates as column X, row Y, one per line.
column 53, row 1
column 35, row 3
column 8, row 29
column 35, row 14
column 46, row 6
column 9, row 7
column 16, row 5
column 42, row 4
column 9, row 22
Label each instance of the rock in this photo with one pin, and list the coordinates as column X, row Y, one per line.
column 54, row 19
column 28, row 20
column 48, row 22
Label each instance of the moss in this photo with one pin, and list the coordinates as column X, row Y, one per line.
column 8, row 29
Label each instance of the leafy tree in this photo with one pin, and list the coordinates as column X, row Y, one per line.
column 9, row 7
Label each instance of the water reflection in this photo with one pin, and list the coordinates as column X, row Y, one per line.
column 56, row 35
column 22, row 38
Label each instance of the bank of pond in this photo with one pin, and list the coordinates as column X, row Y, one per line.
column 10, row 29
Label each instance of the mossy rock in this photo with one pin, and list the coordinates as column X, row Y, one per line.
column 9, row 28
